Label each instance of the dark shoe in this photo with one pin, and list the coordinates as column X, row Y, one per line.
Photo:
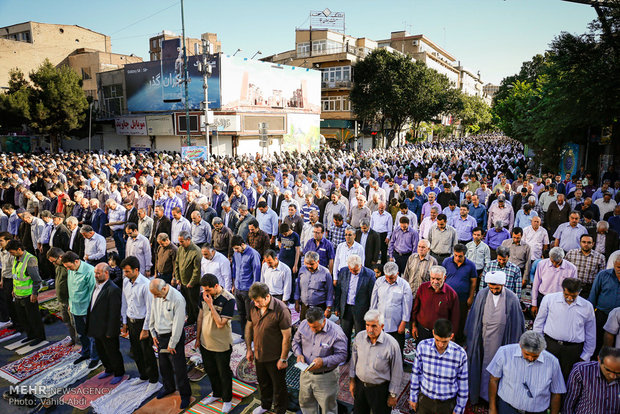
column 104, row 375
column 163, row 392
column 35, row 342
column 80, row 359
column 93, row 363
column 116, row 380
column 185, row 402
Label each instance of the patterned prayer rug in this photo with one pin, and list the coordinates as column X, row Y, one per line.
column 59, row 376
column 240, row 391
column 409, row 350
column 343, row 385
column 7, row 334
column 31, row 365
column 292, row 373
column 53, row 306
column 246, row 372
column 402, row 404
column 190, row 333
column 47, row 295
column 124, row 399
column 238, row 354
column 81, row 396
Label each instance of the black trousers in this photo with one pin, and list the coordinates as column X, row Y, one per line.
column 244, row 304
column 110, row 355
column 384, row 248
column 272, row 386
column 217, row 367
column 427, row 405
column 7, row 305
column 46, row 268
column 463, row 310
column 372, row 398
column 400, row 338
column 172, row 367
column 192, row 302
column 351, row 320
column 423, row 333
column 567, row 354
column 401, row 261
column 142, row 351
column 585, row 290
column 440, row 257
column 304, row 309
column 601, row 319
column 29, row 317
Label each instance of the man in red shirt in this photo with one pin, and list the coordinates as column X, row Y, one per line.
column 434, row 300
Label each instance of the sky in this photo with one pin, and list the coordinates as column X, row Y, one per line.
column 491, row 36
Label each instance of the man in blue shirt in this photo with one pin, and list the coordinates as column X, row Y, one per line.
column 478, row 211
column 246, row 268
column 461, row 275
column 605, row 296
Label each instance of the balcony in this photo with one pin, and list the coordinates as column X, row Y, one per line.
column 336, row 85
column 360, row 52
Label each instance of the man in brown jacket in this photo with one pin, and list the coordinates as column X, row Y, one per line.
column 165, row 258
column 187, row 273
column 258, row 239
column 222, row 236
column 557, row 213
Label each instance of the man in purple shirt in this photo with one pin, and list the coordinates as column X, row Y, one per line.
column 495, row 237
column 321, row 344
column 403, row 242
column 315, row 287
column 322, row 246
column 464, row 224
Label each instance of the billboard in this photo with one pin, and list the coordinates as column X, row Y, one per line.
column 195, row 153
column 302, row 133
column 130, row 125
column 158, row 85
column 252, row 85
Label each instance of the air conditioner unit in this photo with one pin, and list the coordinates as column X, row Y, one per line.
column 415, row 42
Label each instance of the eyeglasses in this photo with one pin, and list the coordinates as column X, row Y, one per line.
column 529, row 393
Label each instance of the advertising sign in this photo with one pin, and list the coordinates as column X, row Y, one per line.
column 159, row 125
column 303, row 133
column 130, row 125
column 195, row 153
column 227, row 123
column 159, row 85
column 570, row 159
column 252, row 85
column 327, row 19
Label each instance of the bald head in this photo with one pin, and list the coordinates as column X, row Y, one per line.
column 102, row 273
column 159, row 288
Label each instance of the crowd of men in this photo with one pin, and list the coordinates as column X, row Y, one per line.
column 455, row 243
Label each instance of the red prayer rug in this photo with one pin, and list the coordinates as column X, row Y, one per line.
column 81, row 396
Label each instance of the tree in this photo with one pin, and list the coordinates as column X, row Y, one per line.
column 475, row 113
column 52, row 103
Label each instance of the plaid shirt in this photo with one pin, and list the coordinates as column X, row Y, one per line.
column 170, row 203
column 440, row 376
column 513, row 275
column 336, row 234
column 587, row 266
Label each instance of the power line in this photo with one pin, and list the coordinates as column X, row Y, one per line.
column 145, row 18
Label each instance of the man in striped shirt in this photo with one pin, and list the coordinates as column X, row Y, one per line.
column 593, row 387
column 439, row 375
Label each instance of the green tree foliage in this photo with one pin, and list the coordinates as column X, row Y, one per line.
column 52, row 103
column 570, row 91
column 392, row 90
column 475, row 114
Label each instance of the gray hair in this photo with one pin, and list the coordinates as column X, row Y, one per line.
column 531, row 198
column 354, row 260
column 534, row 342
column 163, row 237
column 374, row 315
column 311, row 257
column 499, row 223
column 556, row 254
column 424, row 242
column 186, row 235
column 503, row 251
column 365, row 222
column 603, row 224
column 438, row 270
column 390, row 268
column 435, row 208
column 72, row 220
column 226, row 203
column 217, row 220
column 243, row 207
column 350, row 229
column 159, row 285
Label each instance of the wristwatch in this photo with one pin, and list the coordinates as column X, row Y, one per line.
column 283, row 360
column 393, row 395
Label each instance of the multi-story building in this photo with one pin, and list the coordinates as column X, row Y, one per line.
column 490, row 90
column 190, row 43
column 26, row 46
column 470, row 83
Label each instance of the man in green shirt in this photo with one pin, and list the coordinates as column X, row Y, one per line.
column 54, row 255
column 26, row 284
column 80, row 285
column 187, row 273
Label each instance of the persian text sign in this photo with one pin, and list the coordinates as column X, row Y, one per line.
column 195, row 153
column 135, row 125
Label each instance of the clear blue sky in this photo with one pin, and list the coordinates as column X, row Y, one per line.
column 492, row 36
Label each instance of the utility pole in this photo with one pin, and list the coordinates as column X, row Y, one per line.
column 205, row 67
column 186, row 80
column 264, row 136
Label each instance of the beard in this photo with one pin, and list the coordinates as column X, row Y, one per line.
column 498, row 293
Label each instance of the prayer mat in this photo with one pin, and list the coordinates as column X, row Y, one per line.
column 190, row 333
column 124, row 399
column 476, row 409
column 402, row 404
column 238, row 354
column 84, row 394
column 292, row 373
column 409, row 350
column 255, row 404
column 240, row 391
column 190, row 350
column 47, row 295
column 295, row 316
column 53, row 306
column 29, row 348
column 168, row 405
column 62, row 375
column 24, row 368
column 190, row 339
column 7, row 334
column 22, row 342
column 246, row 372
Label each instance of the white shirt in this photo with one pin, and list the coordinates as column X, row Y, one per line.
column 136, row 301
column 96, row 292
column 536, row 239
column 220, row 267
column 343, row 251
column 73, row 234
column 279, row 279
column 426, row 226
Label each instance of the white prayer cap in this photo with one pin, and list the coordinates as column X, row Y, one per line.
column 496, row 277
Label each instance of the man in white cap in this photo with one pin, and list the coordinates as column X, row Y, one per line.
column 495, row 319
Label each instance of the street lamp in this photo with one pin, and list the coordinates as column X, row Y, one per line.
column 257, row 53
column 238, row 50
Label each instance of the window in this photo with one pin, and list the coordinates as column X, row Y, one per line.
column 336, row 76
column 303, row 49
column 86, row 74
column 336, row 104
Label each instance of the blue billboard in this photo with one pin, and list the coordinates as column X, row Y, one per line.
column 158, row 85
